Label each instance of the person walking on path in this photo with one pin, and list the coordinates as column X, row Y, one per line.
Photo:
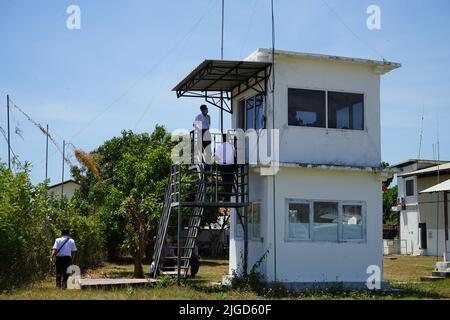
column 64, row 250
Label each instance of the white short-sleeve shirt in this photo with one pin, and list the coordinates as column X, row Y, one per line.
column 225, row 153
column 202, row 122
column 68, row 248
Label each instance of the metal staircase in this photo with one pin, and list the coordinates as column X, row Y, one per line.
column 183, row 211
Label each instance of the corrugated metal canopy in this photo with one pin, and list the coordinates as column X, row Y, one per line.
column 443, row 168
column 443, row 186
column 220, row 75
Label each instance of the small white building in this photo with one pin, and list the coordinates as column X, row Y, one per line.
column 422, row 215
column 66, row 188
column 319, row 217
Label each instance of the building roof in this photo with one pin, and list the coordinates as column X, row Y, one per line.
column 421, row 161
column 220, row 75
column 61, row 183
column 382, row 66
column 443, row 186
column 442, row 168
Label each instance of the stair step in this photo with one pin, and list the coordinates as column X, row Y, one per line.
column 444, row 274
column 176, row 268
column 172, row 273
column 431, row 278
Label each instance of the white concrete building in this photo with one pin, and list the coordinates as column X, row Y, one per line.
column 67, row 188
column 422, row 220
column 319, row 217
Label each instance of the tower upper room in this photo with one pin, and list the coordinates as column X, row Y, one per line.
column 327, row 108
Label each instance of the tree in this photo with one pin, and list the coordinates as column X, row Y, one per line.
column 217, row 221
column 390, row 200
column 134, row 170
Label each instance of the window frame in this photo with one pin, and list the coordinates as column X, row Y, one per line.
column 406, row 180
column 326, row 90
column 252, row 232
column 363, row 109
column 298, row 201
column 251, row 236
column 340, row 225
column 363, row 220
column 309, row 89
column 254, row 111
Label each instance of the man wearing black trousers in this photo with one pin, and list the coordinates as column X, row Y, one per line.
column 64, row 249
column 195, row 261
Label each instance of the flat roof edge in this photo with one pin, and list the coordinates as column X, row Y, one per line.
column 392, row 65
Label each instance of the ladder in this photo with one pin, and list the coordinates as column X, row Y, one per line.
column 164, row 221
column 172, row 199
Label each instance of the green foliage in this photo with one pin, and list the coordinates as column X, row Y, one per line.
column 119, row 212
column 390, row 200
column 129, row 198
column 253, row 280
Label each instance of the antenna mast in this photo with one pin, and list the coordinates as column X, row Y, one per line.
column 421, row 131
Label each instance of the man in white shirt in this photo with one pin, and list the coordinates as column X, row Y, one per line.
column 225, row 157
column 202, row 123
column 64, row 249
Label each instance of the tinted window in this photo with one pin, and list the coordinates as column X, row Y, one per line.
column 409, row 188
column 250, row 110
column 306, row 108
column 325, row 221
column 256, row 220
column 259, row 112
column 298, row 221
column 345, row 110
column 352, row 222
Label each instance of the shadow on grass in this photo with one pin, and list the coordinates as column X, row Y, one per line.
column 213, row 263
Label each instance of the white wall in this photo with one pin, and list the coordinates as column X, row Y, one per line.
column 422, row 208
column 69, row 190
column 309, row 261
column 409, row 232
column 321, row 145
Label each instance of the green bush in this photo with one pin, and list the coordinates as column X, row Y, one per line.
column 30, row 219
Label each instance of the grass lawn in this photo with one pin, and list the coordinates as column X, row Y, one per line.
column 402, row 273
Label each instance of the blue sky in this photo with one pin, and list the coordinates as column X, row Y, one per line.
column 117, row 72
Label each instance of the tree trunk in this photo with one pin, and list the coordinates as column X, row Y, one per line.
column 138, row 270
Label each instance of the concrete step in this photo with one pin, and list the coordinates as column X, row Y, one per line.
column 90, row 283
column 444, row 274
column 431, row 278
column 172, row 273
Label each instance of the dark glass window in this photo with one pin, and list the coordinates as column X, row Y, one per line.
column 345, row 110
column 255, row 112
column 250, row 110
column 352, row 227
column 259, row 112
column 306, row 108
column 325, row 221
column 409, row 187
column 299, row 220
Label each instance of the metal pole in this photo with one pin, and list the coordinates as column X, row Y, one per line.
column 223, row 22
column 179, row 229
column 221, row 58
column 245, row 262
column 46, row 155
column 9, row 134
column 62, row 175
column 445, row 223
